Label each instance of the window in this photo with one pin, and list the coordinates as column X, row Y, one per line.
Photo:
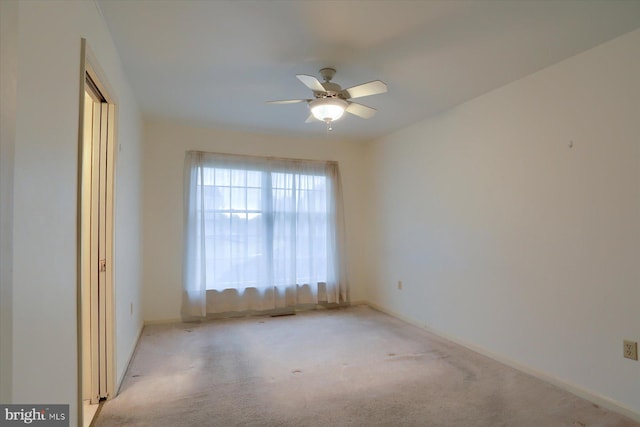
column 268, row 224
column 234, row 227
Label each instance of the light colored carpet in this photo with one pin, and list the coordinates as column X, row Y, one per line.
column 344, row 367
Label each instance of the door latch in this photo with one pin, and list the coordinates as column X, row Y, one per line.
column 102, row 265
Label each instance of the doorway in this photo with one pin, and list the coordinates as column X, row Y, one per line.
column 95, row 242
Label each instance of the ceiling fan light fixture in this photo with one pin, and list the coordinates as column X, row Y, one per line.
column 328, row 109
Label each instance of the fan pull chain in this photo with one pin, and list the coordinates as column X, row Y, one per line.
column 329, row 127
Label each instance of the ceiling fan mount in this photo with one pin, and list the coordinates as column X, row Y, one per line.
column 327, row 73
column 330, row 101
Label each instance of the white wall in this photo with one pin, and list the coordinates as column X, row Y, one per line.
column 45, row 199
column 128, row 229
column 8, row 78
column 507, row 239
column 165, row 147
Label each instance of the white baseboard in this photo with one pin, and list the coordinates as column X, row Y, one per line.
column 363, row 302
column 129, row 359
column 162, row 321
column 596, row 398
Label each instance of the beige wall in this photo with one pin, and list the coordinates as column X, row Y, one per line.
column 165, row 147
column 44, row 341
column 509, row 240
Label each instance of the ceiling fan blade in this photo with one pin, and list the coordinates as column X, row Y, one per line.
column 288, row 101
column 311, row 82
column 366, row 89
column 361, row 110
column 311, row 119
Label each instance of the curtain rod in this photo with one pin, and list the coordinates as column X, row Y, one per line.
column 263, row 157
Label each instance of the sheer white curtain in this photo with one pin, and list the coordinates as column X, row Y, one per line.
column 261, row 234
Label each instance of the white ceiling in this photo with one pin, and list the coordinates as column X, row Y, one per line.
column 215, row 63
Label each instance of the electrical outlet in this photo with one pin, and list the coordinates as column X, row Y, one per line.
column 631, row 350
column 399, row 285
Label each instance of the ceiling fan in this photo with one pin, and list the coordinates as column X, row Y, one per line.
column 330, row 101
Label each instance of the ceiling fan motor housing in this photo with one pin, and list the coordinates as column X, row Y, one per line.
column 332, row 90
